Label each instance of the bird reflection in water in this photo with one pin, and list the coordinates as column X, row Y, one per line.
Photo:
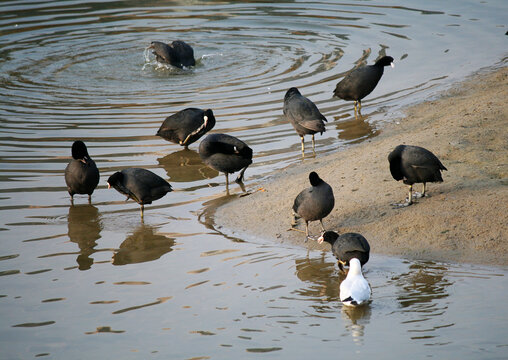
column 322, row 277
column 355, row 130
column 186, row 166
column 144, row 244
column 355, row 319
column 84, row 228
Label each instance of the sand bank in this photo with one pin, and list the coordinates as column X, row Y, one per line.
column 464, row 219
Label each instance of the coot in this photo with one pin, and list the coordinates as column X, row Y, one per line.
column 141, row 185
column 414, row 164
column 347, row 246
column 178, row 53
column 81, row 174
column 361, row 81
column 303, row 114
column 187, row 126
column 226, row 153
column 354, row 290
column 315, row 202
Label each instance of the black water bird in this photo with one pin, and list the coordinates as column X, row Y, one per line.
column 315, row 202
column 346, row 247
column 178, row 53
column 414, row 164
column 187, row 126
column 81, row 174
column 304, row 115
column 361, row 81
column 227, row 154
column 141, row 185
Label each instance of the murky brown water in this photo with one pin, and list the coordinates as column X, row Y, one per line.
column 94, row 281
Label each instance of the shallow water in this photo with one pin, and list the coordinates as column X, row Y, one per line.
column 94, row 280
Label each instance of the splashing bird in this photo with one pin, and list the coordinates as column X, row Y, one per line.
column 178, row 53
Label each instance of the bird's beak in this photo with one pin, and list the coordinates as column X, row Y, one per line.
column 109, row 186
column 205, row 119
column 392, row 65
column 320, row 239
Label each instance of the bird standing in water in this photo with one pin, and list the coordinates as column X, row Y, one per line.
column 187, row 126
column 354, row 290
column 304, row 115
column 227, row 154
column 81, row 174
column 141, row 185
column 347, row 246
column 361, row 81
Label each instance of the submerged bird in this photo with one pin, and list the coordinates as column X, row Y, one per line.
column 187, row 126
column 178, row 53
column 414, row 164
column 81, row 174
column 361, row 81
column 227, row 154
column 141, row 185
column 354, row 290
column 315, row 202
column 346, row 247
column 304, row 115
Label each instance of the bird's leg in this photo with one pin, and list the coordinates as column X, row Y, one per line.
column 341, row 266
column 322, row 226
column 227, row 182
column 142, row 210
column 239, row 179
column 313, row 144
column 409, row 200
column 410, row 197
column 303, row 147
column 359, row 107
column 356, row 103
column 90, row 199
column 306, row 231
column 422, row 194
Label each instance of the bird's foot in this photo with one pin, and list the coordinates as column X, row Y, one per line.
column 401, row 205
column 418, row 195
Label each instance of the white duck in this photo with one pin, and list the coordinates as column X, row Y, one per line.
column 354, row 290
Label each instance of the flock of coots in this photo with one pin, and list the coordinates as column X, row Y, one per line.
column 228, row 154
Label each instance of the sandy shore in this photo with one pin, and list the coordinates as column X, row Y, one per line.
column 463, row 219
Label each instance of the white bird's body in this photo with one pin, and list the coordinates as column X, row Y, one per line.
column 354, row 290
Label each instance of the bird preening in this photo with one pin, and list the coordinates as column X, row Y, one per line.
column 187, row 126
column 81, row 174
column 227, row 154
column 414, row 164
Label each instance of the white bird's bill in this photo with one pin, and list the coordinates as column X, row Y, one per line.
column 354, row 290
column 392, row 65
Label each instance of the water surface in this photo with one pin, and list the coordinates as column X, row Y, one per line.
column 95, row 281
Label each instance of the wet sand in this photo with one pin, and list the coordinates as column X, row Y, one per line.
column 463, row 219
